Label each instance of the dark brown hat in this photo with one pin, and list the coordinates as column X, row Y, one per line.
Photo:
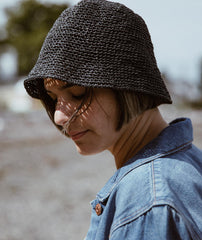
column 98, row 43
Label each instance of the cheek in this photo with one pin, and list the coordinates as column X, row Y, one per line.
column 99, row 118
column 102, row 134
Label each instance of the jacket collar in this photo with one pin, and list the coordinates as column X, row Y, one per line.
column 176, row 136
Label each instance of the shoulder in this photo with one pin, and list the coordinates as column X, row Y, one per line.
column 177, row 177
column 172, row 182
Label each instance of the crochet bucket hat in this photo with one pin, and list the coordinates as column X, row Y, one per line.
column 98, row 43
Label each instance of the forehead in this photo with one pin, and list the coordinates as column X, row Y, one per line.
column 54, row 83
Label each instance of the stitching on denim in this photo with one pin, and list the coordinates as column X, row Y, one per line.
column 131, row 217
column 192, row 229
column 153, row 182
column 149, row 159
column 141, row 211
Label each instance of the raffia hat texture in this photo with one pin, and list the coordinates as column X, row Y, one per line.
column 98, row 43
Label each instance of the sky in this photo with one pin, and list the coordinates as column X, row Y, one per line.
column 176, row 31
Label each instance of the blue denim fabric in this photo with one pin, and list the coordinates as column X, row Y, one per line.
column 157, row 194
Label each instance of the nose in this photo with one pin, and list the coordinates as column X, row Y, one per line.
column 60, row 118
column 64, row 111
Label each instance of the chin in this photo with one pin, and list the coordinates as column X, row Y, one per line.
column 86, row 151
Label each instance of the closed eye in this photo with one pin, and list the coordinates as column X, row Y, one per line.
column 79, row 97
column 52, row 96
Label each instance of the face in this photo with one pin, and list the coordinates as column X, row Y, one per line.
column 94, row 127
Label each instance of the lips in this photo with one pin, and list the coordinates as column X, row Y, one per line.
column 77, row 135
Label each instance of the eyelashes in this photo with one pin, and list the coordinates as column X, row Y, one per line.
column 78, row 97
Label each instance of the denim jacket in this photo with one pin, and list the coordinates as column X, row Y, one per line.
column 156, row 195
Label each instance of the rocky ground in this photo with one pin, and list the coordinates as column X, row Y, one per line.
column 45, row 185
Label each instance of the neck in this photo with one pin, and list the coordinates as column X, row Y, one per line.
column 136, row 134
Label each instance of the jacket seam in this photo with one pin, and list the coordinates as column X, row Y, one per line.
column 143, row 210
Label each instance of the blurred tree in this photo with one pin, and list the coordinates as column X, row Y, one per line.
column 27, row 25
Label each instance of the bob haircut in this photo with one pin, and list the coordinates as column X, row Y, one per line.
column 130, row 104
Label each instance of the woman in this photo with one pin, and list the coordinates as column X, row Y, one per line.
column 99, row 82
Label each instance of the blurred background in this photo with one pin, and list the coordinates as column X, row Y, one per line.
column 45, row 185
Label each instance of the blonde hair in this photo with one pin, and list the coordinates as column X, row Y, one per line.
column 132, row 104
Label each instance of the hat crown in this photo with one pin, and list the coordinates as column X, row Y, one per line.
column 98, row 43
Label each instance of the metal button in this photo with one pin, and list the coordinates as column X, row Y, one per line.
column 98, row 209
